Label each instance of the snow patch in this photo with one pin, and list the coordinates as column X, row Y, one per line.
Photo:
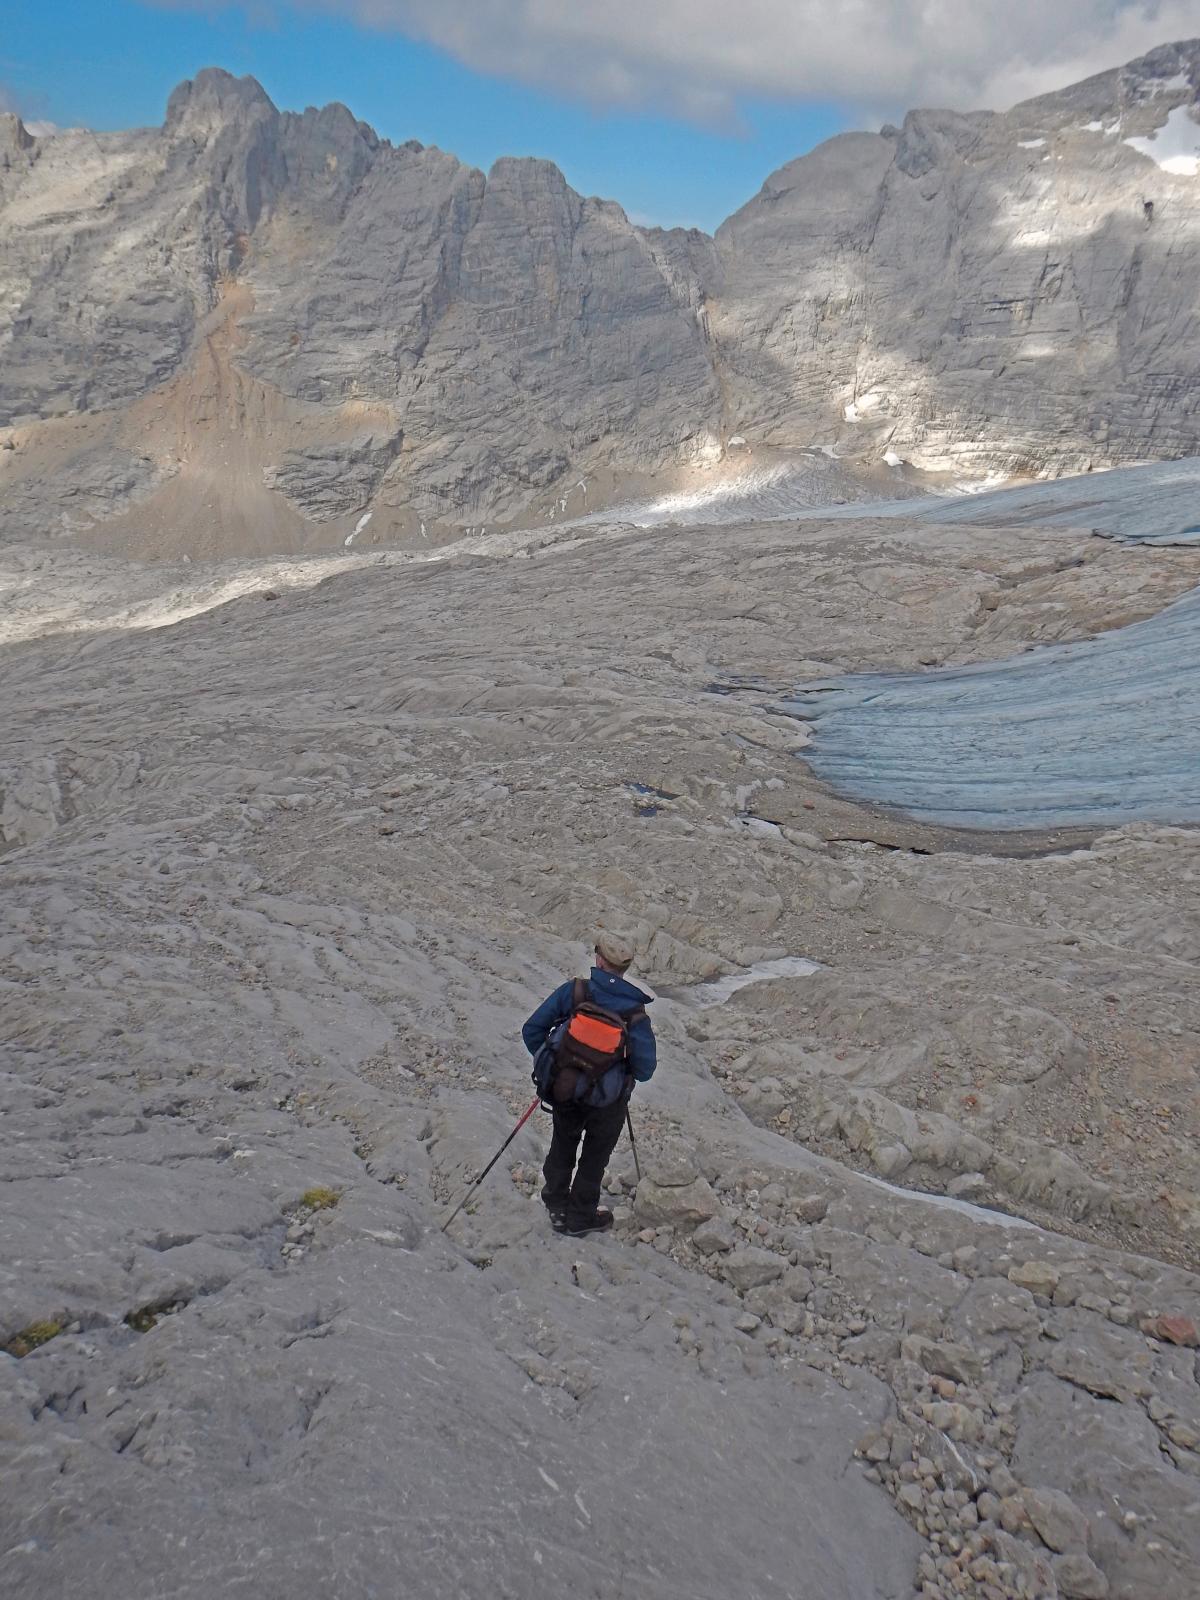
column 675, row 507
column 860, row 404
column 720, row 989
column 1031, row 144
column 1093, row 127
column 1172, row 85
column 759, row 825
column 358, row 528
column 946, row 1202
column 891, row 459
column 994, row 480
column 1175, row 147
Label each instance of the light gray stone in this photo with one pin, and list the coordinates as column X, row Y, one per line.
column 1079, row 1577
column 673, row 1167
column 1039, row 1277
column 714, row 1237
column 798, row 1283
column 679, row 1205
column 943, row 1358
column 748, row 1267
column 1059, row 1522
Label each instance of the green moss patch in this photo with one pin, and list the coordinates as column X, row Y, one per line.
column 32, row 1337
column 320, row 1198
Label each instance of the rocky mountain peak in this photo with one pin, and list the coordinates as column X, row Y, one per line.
column 973, row 292
column 1167, row 74
column 212, row 100
column 15, row 137
column 337, row 122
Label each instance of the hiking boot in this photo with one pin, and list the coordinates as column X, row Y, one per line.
column 557, row 1210
column 596, row 1223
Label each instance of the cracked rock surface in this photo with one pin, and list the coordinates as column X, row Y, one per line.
column 904, row 1304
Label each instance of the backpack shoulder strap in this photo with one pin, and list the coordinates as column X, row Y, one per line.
column 634, row 1016
column 579, row 993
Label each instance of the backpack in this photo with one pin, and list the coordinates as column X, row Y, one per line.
column 583, row 1049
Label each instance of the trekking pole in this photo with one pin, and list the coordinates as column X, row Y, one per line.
column 475, row 1184
column 637, row 1165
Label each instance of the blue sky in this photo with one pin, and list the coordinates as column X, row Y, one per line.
column 112, row 65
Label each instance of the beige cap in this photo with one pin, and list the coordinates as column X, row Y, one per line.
column 614, row 948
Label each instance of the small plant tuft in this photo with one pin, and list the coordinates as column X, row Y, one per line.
column 320, row 1198
column 142, row 1320
column 32, row 1337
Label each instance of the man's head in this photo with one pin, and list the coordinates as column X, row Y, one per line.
column 613, row 951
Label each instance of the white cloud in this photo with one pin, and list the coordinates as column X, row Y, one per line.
column 699, row 57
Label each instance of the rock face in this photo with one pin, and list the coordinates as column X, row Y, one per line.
column 444, row 343
column 962, row 288
column 410, row 336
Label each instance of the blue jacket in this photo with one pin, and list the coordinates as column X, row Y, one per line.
column 615, row 994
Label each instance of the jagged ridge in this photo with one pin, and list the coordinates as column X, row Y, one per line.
column 414, row 338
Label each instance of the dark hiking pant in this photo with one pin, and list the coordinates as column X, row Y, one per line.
column 599, row 1127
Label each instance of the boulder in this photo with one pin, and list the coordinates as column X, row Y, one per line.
column 1088, row 1364
column 968, row 1186
column 749, row 1267
column 943, row 1359
column 673, row 1167
column 798, row 1283
column 1057, row 1519
column 1039, row 1277
column 774, row 1305
column 958, row 1421
column 809, row 1207
column 714, row 1237
column 680, row 1205
column 1079, row 1577
column 1173, row 1330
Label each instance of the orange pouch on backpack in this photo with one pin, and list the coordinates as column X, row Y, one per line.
column 595, row 1034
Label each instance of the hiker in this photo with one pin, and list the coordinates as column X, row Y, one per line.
column 591, row 1040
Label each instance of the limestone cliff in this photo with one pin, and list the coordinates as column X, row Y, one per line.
column 248, row 329
column 1008, row 292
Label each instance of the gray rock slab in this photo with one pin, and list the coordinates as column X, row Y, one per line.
column 1106, row 1456
column 343, row 1405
